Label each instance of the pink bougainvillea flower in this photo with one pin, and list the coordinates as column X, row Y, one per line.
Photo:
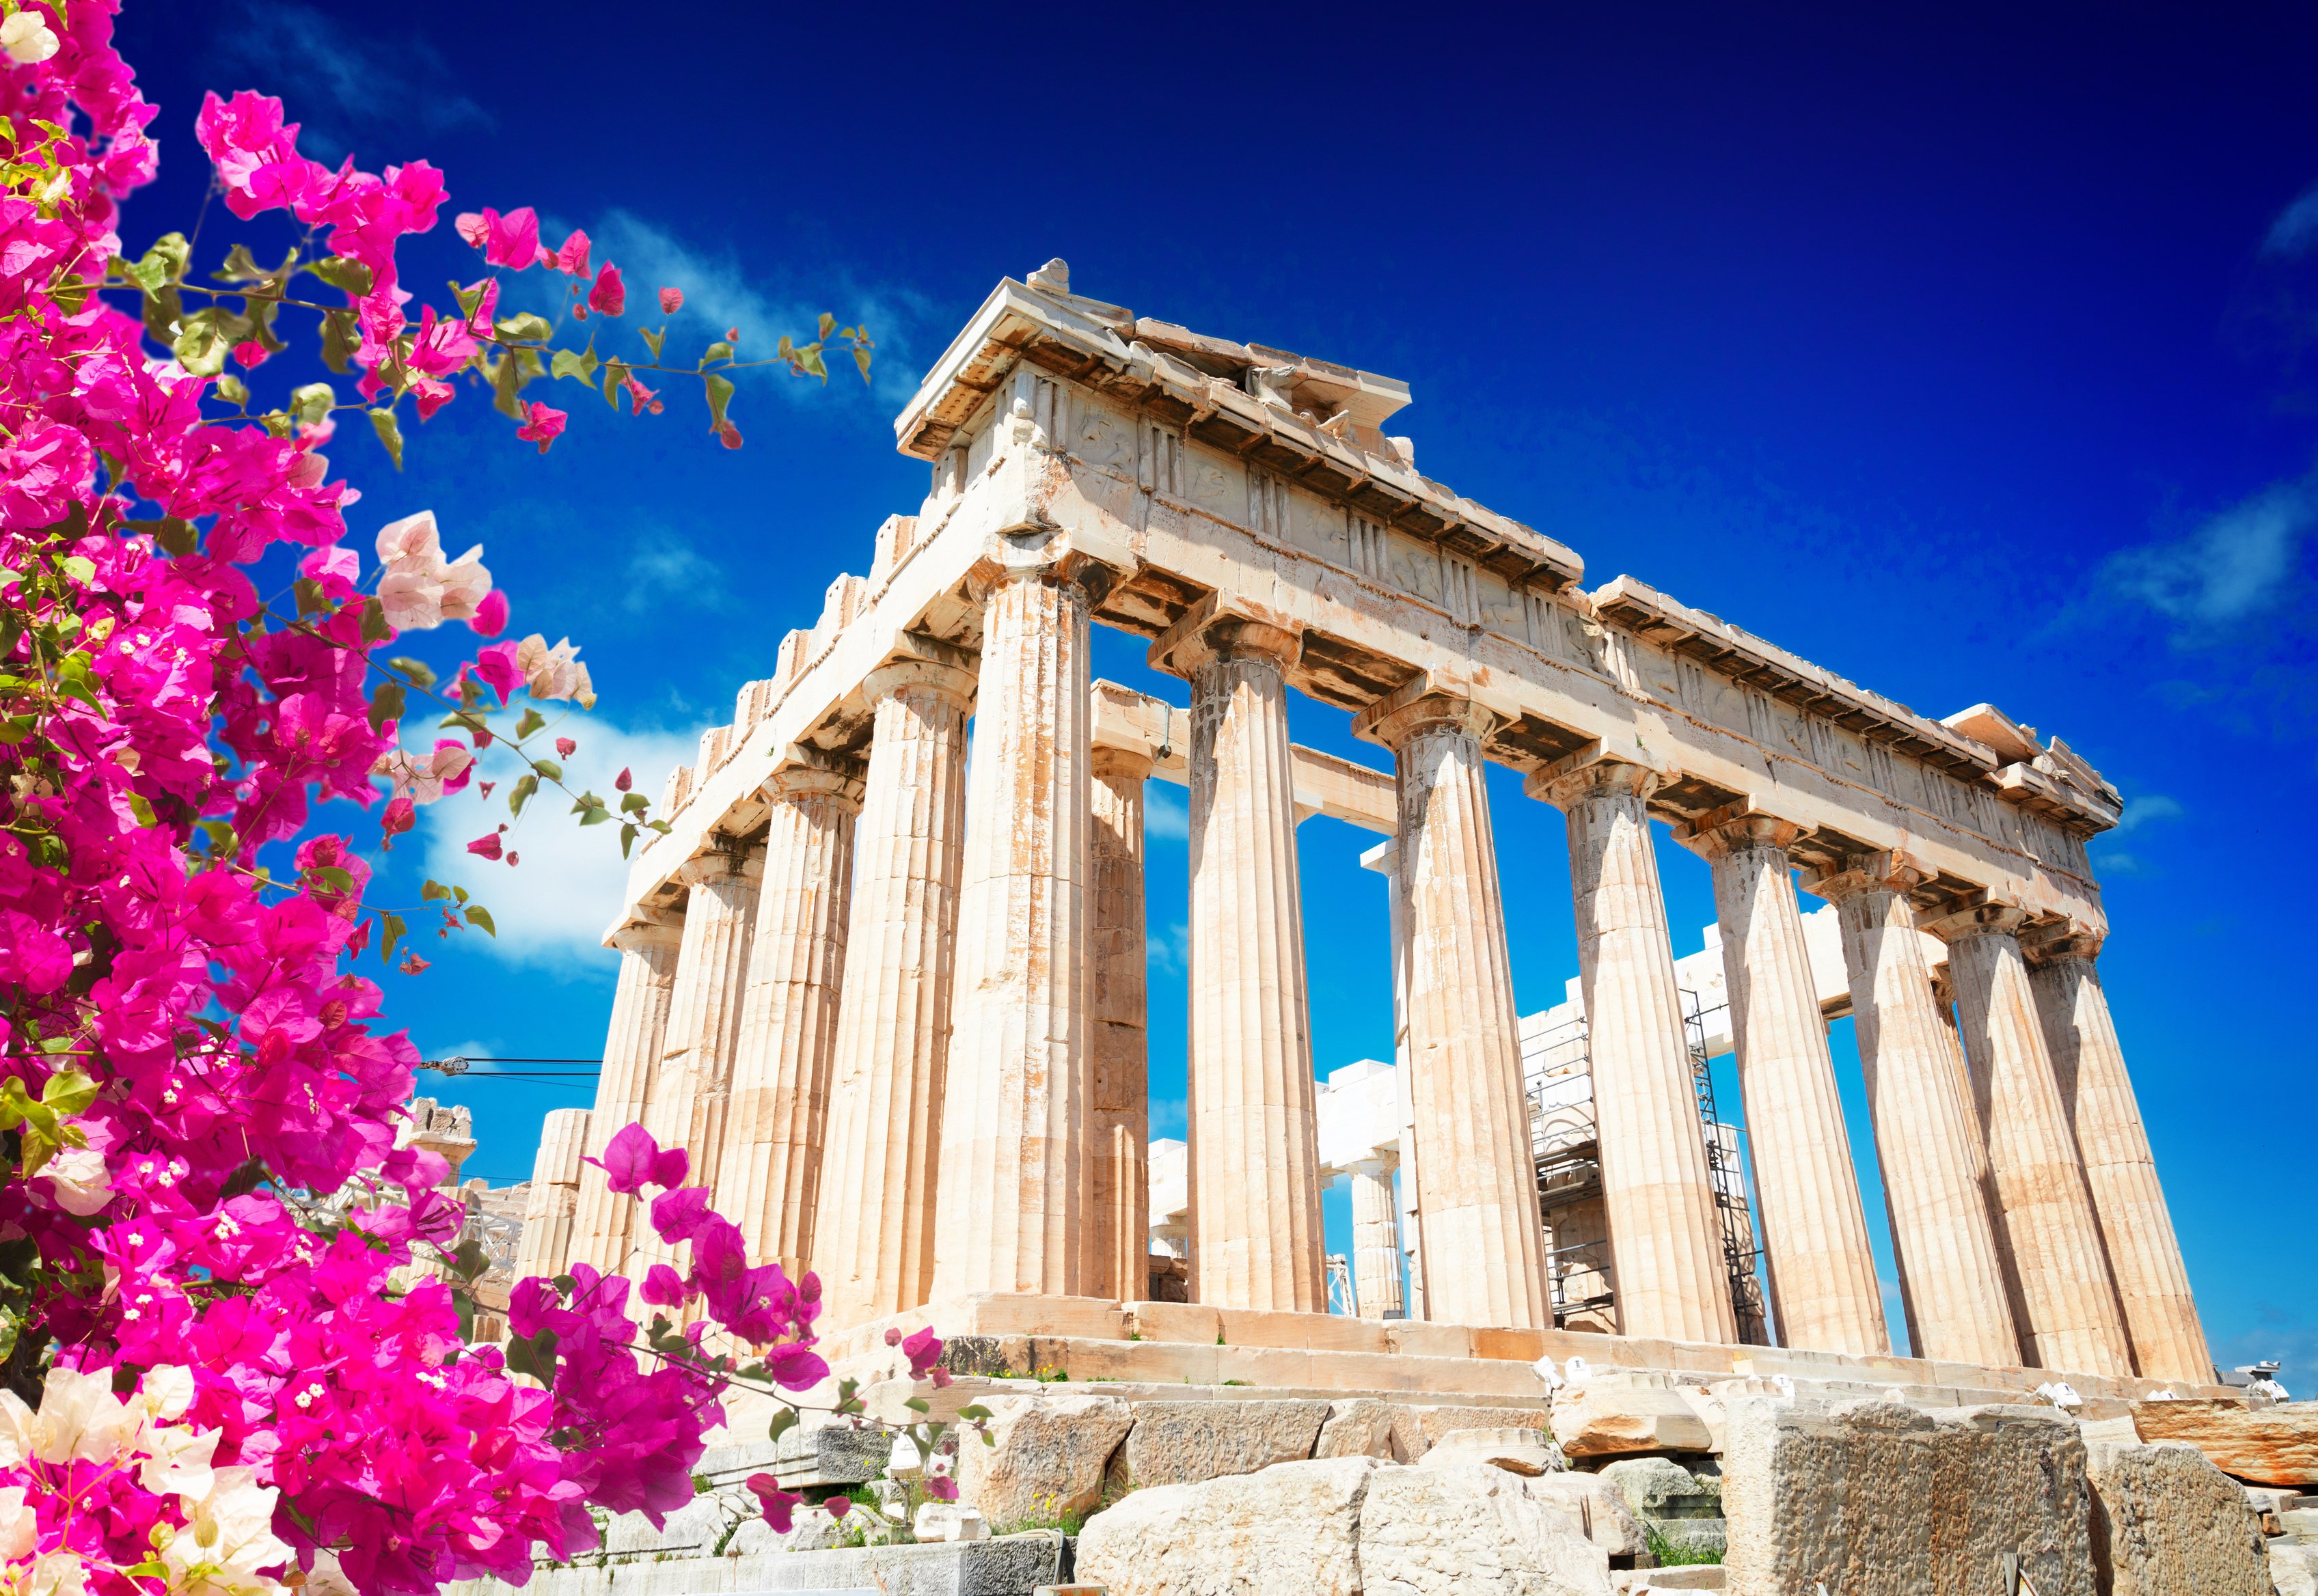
column 545, row 425
column 491, row 616
column 249, row 353
column 511, row 240
column 496, row 665
column 729, row 436
column 779, row 1506
column 923, row 1349
column 609, row 295
column 642, row 398
column 624, row 781
column 572, row 260
column 564, row 747
column 556, row 672
column 671, row 300
column 486, row 846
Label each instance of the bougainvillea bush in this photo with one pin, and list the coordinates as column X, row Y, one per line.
column 233, row 1328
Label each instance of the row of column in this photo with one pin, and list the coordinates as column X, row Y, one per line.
column 971, row 1099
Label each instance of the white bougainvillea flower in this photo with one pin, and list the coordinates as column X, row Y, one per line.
column 422, row 780
column 178, row 1462
column 19, row 1526
column 83, row 1184
column 228, row 1538
column 418, row 589
column 555, row 673
column 57, row 1573
column 28, row 38
column 412, row 536
column 79, row 1418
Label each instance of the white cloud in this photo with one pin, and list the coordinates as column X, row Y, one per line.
column 669, row 568
column 342, row 81
column 1170, row 1116
column 2295, row 230
column 2236, row 563
column 1165, row 816
column 1170, row 950
column 554, row 905
column 2150, row 806
column 2115, row 861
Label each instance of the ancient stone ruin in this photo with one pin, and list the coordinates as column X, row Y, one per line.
column 893, row 1006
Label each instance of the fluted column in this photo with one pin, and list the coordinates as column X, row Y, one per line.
column 1384, row 858
column 1118, row 1122
column 769, row 1173
column 686, row 1107
column 1484, row 1243
column 632, row 1054
column 1657, row 1191
column 2063, row 1298
column 1254, row 1135
column 1016, row 1181
column 874, row 1242
column 545, row 1245
column 1927, row 1131
column 1822, row 1269
column 2152, row 1284
column 1376, row 1241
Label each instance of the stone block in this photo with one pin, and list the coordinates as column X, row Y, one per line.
column 1600, row 1512
column 949, row 1521
column 1288, row 1531
column 1618, row 1411
column 2164, row 1520
column 1047, row 1460
column 1361, row 1427
column 1690, row 1576
column 1525, row 1452
column 1175, row 1443
column 1876, row 1499
column 1003, row 1313
column 1414, row 1338
column 1416, row 1429
column 1659, row 1489
column 831, row 1455
column 1517, row 1346
column 1470, row 1529
column 1175, row 1322
column 2292, row 1568
column 2300, row 1522
column 2273, row 1445
column 1326, row 1332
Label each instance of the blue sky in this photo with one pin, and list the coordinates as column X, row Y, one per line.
column 1970, row 359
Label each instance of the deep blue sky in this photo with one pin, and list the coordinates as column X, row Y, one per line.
column 1965, row 355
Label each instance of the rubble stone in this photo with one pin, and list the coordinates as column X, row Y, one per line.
column 1619, row 1411
column 1416, row 1429
column 1288, row 1531
column 1525, row 1452
column 1176, row 1443
column 2165, row 1519
column 1470, row 1529
column 2273, row 1445
column 1600, row 1512
column 2292, row 1568
column 1876, row 1499
column 1360, row 1427
column 1686, row 1511
column 1047, row 1460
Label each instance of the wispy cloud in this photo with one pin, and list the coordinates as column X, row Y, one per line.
column 1170, row 950
column 2237, row 563
column 670, row 569
column 2150, row 806
column 344, row 82
column 553, row 907
column 1166, row 818
column 1169, row 1117
column 2295, row 230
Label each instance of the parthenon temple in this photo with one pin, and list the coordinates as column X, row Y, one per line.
column 885, row 977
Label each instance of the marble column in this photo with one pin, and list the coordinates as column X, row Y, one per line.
column 1376, row 1239
column 2063, row 1301
column 874, row 1242
column 1657, row 1191
column 769, row 1174
column 685, row 1108
column 1926, row 1132
column 631, row 1051
column 1483, row 1241
column 1823, row 1286
column 1384, row 858
column 1118, row 1122
column 1016, row 1185
column 545, row 1247
column 2161, row 1317
column 1254, row 1134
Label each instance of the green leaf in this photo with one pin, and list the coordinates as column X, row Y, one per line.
column 532, row 721
column 162, row 311
column 862, row 359
column 522, row 793
column 477, row 915
column 810, row 359
column 468, row 297
column 719, row 350
column 385, row 705
column 142, row 810
column 580, row 364
column 73, row 681
column 169, row 254
column 523, row 325
column 69, row 1092
column 615, row 375
column 916, row 1405
column 783, row 1420
column 459, row 893
column 652, row 340
column 720, row 394
column 390, row 433
column 331, row 878
column 374, row 629
column 432, row 888
column 633, row 803
column 421, row 674
column 828, row 325
column 205, row 339
column 312, row 401
column 534, row 1356
column 390, row 930
column 78, row 568
column 341, row 337
column 595, row 815
column 341, row 272
column 627, row 839
column 548, row 768
column 232, row 389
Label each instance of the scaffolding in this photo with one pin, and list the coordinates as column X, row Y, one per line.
column 1725, row 1165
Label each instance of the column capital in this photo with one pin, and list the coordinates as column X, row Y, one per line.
column 1734, row 829
column 804, row 773
column 1984, row 919
column 1590, row 773
column 725, row 859
column 925, row 663
column 1077, row 558
column 1423, row 702
column 1886, row 871
column 1106, row 759
column 2057, row 942
column 1224, row 626
column 647, row 927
